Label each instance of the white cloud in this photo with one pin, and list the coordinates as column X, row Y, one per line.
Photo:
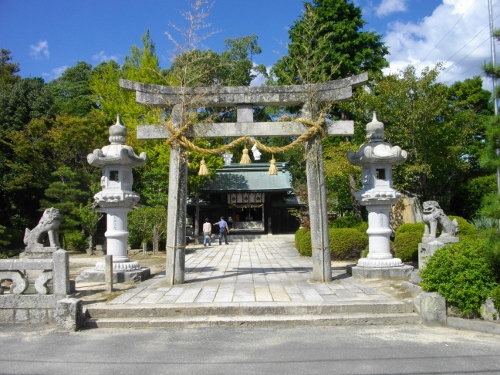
column 42, row 48
column 387, row 7
column 456, row 34
column 55, row 73
column 101, row 56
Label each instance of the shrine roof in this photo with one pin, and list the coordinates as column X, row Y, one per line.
column 250, row 177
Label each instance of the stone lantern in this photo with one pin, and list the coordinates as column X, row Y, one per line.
column 116, row 199
column 377, row 157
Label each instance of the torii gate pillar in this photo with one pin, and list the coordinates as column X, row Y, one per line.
column 177, row 199
column 318, row 214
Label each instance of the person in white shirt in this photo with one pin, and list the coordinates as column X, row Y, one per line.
column 207, row 233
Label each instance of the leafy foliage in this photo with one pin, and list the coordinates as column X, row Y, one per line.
column 8, row 69
column 467, row 200
column 465, row 229
column 303, row 241
column 143, row 220
column 71, row 91
column 347, row 243
column 460, row 273
column 345, row 222
column 495, row 296
column 327, row 44
column 405, row 246
column 439, row 135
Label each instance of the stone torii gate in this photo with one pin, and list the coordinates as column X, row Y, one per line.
column 244, row 98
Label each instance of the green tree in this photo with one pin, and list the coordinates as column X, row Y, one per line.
column 142, row 223
column 8, row 69
column 72, row 92
column 89, row 220
column 65, row 194
column 327, row 43
column 437, row 133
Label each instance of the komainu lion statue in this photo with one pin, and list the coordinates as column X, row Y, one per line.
column 48, row 225
column 436, row 220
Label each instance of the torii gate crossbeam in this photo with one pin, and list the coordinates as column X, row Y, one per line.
column 245, row 98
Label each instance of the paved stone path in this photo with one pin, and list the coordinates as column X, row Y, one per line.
column 254, row 271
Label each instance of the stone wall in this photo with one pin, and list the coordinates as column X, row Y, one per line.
column 39, row 292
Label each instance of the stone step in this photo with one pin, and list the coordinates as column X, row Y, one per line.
column 254, row 320
column 361, row 312
column 247, row 308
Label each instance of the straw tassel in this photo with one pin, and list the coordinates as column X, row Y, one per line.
column 272, row 167
column 245, row 159
column 203, row 169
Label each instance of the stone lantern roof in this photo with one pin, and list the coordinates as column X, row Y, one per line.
column 117, row 153
column 376, row 151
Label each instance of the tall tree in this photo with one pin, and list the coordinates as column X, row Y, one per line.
column 72, row 92
column 8, row 69
column 327, row 43
column 438, row 133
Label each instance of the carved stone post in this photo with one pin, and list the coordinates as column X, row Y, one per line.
column 318, row 216
column 177, row 199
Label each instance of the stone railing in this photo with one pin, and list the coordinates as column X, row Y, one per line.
column 39, row 292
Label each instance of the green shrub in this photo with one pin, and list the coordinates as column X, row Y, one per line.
column 74, row 241
column 347, row 243
column 411, row 227
column 346, row 222
column 406, row 245
column 465, row 229
column 495, row 296
column 492, row 252
column 484, row 223
column 461, row 274
column 363, row 227
column 303, row 241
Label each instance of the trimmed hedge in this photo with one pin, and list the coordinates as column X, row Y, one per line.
column 406, row 240
column 461, row 274
column 465, row 229
column 405, row 245
column 303, row 242
column 411, row 227
column 345, row 222
column 347, row 243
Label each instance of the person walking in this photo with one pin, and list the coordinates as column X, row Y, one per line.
column 223, row 230
column 207, row 233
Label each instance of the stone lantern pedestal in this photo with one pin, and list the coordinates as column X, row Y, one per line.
column 377, row 158
column 116, row 199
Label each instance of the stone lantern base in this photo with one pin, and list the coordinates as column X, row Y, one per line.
column 399, row 272
column 120, row 274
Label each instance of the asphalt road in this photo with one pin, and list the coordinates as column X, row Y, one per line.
column 249, row 350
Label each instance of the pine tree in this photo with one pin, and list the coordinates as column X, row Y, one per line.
column 327, row 44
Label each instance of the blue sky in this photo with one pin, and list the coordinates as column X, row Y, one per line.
column 47, row 36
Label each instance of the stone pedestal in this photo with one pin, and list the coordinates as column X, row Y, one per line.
column 117, row 234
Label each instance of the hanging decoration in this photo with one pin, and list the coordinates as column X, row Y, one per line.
column 227, row 158
column 273, row 170
column 314, row 127
column 256, row 152
column 245, row 158
column 203, row 168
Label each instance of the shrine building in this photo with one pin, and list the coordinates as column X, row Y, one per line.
column 250, row 199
